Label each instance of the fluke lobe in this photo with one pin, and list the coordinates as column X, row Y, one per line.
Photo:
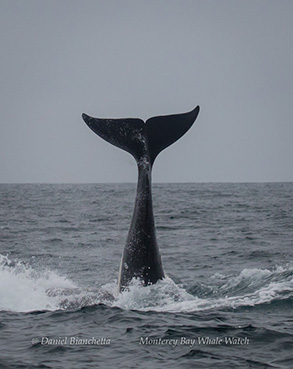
column 144, row 140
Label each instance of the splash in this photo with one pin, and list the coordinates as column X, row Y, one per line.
column 158, row 296
column 250, row 288
column 23, row 289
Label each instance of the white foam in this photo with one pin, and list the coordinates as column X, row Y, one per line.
column 23, row 289
column 167, row 296
column 157, row 296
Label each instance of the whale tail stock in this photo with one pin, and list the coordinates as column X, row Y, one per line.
column 141, row 138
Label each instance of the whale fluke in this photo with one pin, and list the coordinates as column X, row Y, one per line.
column 123, row 133
column 139, row 138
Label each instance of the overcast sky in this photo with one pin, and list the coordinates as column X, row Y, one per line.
column 141, row 58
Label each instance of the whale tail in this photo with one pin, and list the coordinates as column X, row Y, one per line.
column 141, row 138
column 144, row 140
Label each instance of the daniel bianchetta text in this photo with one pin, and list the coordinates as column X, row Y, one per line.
column 184, row 341
column 61, row 341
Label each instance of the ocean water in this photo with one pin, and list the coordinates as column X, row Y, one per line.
column 226, row 301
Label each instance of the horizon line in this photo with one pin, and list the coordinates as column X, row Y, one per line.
column 187, row 182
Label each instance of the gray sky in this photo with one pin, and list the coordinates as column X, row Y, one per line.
column 138, row 58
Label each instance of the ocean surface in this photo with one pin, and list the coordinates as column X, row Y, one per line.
column 227, row 300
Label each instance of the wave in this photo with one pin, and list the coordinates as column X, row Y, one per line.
column 24, row 289
column 169, row 297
